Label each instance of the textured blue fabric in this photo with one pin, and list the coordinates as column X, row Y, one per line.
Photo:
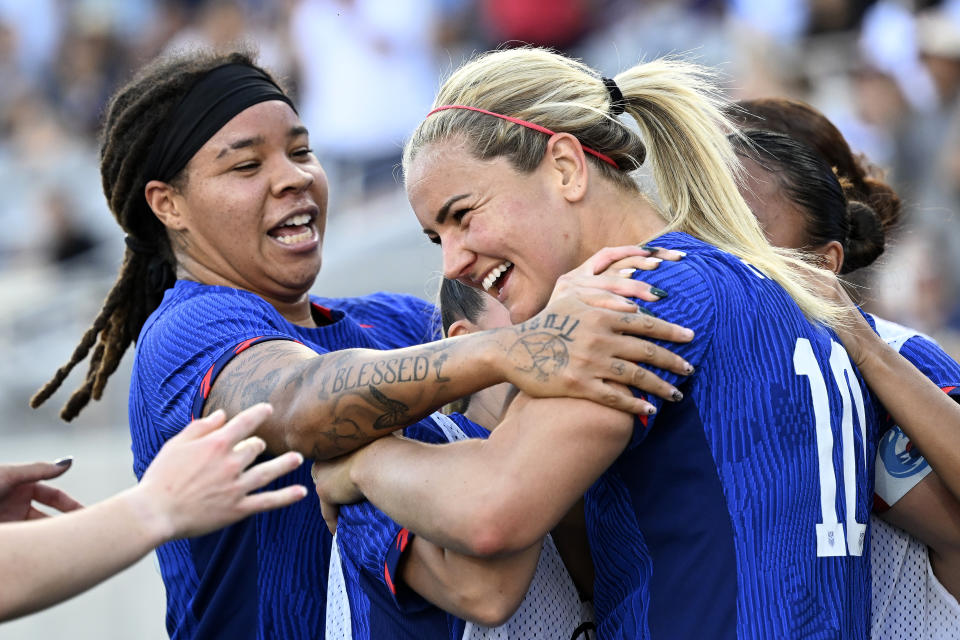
column 933, row 362
column 370, row 550
column 264, row 577
column 705, row 527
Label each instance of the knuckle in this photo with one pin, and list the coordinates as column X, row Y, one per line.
column 639, row 374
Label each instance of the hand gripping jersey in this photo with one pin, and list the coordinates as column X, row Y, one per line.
column 264, row 577
column 908, row 601
column 741, row 511
column 366, row 603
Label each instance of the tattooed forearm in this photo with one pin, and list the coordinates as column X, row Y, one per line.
column 388, row 371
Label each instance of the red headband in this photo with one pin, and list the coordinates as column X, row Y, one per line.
column 529, row 125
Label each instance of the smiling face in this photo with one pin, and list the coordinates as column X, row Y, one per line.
column 252, row 212
column 511, row 231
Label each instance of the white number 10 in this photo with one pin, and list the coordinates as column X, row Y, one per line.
column 830, row 537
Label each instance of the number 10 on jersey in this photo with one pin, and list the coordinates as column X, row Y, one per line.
column 831, row 540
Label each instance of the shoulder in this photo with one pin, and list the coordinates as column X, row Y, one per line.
column 191, row 307
column 399, row 320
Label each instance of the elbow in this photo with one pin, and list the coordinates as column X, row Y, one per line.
column 500, row 527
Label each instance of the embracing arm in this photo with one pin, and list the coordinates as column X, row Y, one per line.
column 333, row 403
column 483, row 590
column 929, row 417
column 500, row 495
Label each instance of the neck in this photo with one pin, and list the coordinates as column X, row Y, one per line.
column 615, row 216
column 487, row 405
column 295, row 309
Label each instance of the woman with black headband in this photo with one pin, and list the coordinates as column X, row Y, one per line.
column 208, row 170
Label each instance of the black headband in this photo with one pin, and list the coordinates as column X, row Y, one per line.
column 212, row 102
column 617, row 103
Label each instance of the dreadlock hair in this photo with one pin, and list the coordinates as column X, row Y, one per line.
column 133, row 119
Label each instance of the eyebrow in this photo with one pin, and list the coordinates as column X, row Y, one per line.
column 445, row 209
column 250, row 142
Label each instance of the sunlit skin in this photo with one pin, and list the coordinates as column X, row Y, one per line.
column 782, row 220
column 545, row 222
column 253, row 174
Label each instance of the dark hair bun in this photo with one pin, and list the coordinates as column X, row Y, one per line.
column 866, row 239
column 884, row 201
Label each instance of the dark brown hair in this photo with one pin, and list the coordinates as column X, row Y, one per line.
column 880, row 208
column 134, row 116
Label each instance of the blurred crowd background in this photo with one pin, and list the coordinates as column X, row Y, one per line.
column 364, row 72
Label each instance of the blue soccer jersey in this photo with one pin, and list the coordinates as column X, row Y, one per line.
column 264, row 577
column 367, row 600
column 741, row 511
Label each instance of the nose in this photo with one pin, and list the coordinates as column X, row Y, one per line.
column 457, row 260
column 292, row 176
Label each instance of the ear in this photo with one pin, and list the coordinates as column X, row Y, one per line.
column 461, row 327
column 832, row 254
column 568, row 165
column 162, row 198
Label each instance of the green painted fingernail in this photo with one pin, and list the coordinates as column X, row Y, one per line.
column 657, row 291
column 646, row 312
column 647, row 247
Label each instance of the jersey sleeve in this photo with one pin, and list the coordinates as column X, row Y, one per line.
column 691, row 302
column 182, row 350
column 900, row 467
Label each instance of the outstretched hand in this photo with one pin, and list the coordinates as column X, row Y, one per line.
column 21, row 485
column 587, row 336
column 200, row 482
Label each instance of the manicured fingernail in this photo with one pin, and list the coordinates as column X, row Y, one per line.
column 65, row 461
column 688, row 369
column 647, row 247
column 677, row 396
column 655, row 260
column 687, row 333
column 646, row 311
column 651, row 410
column 657, row 291
column 682, row 254
column 627, row 273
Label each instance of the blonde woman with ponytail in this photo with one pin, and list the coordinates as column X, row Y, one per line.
column 739, row 510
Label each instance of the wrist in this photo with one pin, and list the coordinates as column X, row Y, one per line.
column 147, row 516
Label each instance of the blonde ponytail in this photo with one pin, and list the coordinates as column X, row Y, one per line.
column 682, row 132
column 681, row 116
